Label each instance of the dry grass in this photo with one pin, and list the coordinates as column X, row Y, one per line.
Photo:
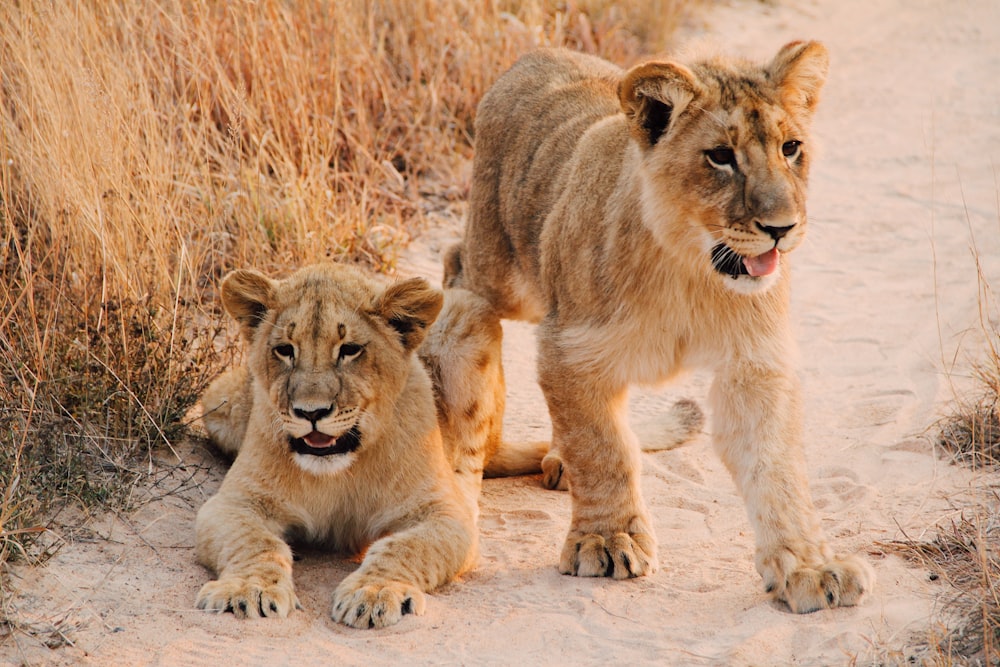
column 965, row 554
column 972, row 432
column 150, row 146
column 965, row 558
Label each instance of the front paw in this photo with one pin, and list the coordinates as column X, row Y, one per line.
column 554, row 475
column 249, row 598
column 376, row 605
column 839, row 582
column 619, row 555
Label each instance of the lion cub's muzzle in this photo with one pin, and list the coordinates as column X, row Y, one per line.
column 323, row 431
column 728, row 262
column 735, row 263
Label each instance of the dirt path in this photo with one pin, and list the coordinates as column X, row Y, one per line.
column 885, row 301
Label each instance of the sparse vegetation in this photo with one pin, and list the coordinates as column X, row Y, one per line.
column 965, row 553
column 972, row 433
column 965, row 557
column 148, row 147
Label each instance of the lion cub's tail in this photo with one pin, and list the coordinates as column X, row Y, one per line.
column 516, row 458
column 681, row 424
column 453, row 266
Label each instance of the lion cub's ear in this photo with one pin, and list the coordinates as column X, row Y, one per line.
column 800, row 70
column 410, row 307
column 247, row 295
column 654, row 94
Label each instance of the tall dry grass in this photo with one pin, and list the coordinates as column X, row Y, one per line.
column 148, row 146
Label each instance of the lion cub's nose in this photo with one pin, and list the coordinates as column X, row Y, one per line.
column 312, row 416
column 776, row 233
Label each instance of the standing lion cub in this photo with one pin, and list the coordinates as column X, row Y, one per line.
column 337, row 431
column 644, row 218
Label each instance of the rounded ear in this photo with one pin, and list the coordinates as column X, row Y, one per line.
column 653, row 95
column 799, row 70
column 247, row 296
column 410, row 307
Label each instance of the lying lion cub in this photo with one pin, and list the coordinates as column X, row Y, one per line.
column 338, row 440
column 643, row 218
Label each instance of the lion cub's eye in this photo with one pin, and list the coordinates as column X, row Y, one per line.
column 721, row 156
column 285, row 351
column 791, row 149
column 350, row 351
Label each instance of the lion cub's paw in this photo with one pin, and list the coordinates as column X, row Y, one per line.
column 554, row 474
column 840, row 582
column 376, row 606
column 621, row 556
column 248, row 598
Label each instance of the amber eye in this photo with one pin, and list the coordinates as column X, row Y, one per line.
column 721, row 156
column 791, row 149
column 349, row 351
column 285, row 351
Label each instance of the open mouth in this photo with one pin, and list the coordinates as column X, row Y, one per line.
column 727, row 262
column 321, row 444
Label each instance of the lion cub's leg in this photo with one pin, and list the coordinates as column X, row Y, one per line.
column 681, row 424
column 399, row 568
column 462, row 353
column 226, row 407
column 610, row 532
column 757, row 432
column 252, row 561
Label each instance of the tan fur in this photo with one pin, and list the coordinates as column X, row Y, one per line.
column 598, row 197
column 329, row 339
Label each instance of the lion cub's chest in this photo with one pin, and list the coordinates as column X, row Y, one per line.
column 644, row 351
column 651, row 344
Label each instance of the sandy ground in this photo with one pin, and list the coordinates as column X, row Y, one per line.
column 886, row 314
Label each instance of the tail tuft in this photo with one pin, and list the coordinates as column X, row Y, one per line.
column 453, row 266
column 683, row 423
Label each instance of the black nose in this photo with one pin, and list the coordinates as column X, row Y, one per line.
column 313, row 416
column 776, row 233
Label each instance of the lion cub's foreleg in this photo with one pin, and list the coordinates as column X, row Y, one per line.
column 757, row 432
column 610, row 532
column 252, row 561
column 399, row 568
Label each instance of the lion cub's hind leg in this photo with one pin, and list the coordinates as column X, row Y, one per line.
column 681, row 424
column 226, row 407
column 462, row 353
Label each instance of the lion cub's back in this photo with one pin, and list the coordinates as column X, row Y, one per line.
column 528, row 125
column 537, row 110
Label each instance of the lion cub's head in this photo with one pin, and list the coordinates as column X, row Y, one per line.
column 332, row 351
column 726, row 151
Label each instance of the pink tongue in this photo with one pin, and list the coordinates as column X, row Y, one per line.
column 764, row 265
column 318, row 440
